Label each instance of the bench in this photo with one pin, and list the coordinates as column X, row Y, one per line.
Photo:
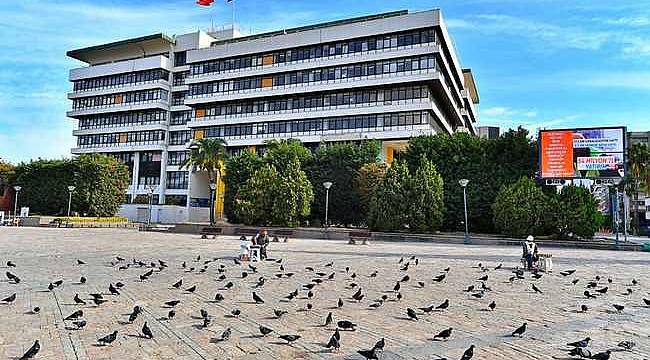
column 210, row 231
column 160, row 228
column 285, row 233
column 247, row 232
column 359, row 237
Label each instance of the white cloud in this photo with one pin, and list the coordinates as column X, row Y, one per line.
column 632, row 21
column 639, row 80
column 502, row 111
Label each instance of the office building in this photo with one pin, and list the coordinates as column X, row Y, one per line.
column 387, row 77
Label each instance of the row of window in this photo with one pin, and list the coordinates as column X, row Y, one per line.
column 177, row 179
column 177, row 157
column 380, row 42
column 320, row 125
column 112, row 81
column 132, row 138
column 316, row 100
column 179, row 78
column 122, row 119
column 179, row 137
column 133, row 97
column 317, row 75
column 180, row 117
column 178, row 97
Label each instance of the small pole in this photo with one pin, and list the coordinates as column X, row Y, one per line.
column 327, row 185
column 467, row 241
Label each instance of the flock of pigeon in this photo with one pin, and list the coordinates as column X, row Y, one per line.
column 229, row 271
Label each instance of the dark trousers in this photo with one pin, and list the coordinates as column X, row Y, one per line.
column 263, row 251
column 529, row 260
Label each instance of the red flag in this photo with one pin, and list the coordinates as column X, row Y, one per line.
column 204, row 2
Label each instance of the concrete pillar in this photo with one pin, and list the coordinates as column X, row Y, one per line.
column 136, row 171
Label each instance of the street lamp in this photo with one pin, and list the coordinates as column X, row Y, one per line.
column 17, row 190
column 327, row 185
column 213, row 187
column 463, row 183
column 150, row 194
column 70, row 190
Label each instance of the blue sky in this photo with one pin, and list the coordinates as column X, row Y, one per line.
column 538, row 63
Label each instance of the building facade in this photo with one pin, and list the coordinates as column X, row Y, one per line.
column 387, row 77
column 488, row 132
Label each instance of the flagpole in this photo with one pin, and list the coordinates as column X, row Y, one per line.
column 232, row 2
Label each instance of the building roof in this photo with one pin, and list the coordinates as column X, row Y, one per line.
column 312, row 27
column 84, row 54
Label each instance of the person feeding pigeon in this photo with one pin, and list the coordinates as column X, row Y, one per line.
column 530, row 251
column 262, row 240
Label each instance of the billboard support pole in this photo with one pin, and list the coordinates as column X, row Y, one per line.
column 616, row 216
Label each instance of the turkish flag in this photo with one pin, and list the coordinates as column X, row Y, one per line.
column 204, row 2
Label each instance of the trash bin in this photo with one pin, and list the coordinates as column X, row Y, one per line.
column 646, row 246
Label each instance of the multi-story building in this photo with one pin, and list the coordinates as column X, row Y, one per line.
column 387, row 77
column 488, row 132
column 641, row 202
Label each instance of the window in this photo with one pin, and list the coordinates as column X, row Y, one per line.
column 180, row 58
column 177, row 179
column 176, row 158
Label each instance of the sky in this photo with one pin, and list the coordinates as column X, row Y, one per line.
column 537, row 63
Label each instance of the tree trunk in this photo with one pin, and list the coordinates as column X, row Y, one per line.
column 635, row 231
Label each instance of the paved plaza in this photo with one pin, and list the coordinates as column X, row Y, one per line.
column 43, row 256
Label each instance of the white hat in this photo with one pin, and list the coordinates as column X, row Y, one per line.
column 530, row 238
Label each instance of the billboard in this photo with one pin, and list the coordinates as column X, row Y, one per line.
column 582, row 153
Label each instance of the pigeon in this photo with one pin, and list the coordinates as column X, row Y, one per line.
column 236, row 261
column 265, row 331
column 225, row 335
column 520, row 330
column 567, row 272
column 218, row 297
column 373, row 274
column 575, row 281
column 581, row 352
column 309, row 268
column 112, row 289
column 328, row 319
column 334, row 343
column 411, row 314
column 588, row 295
column 376, row 304
column 75, row 315
column 173, row 303
column 479, row 295
column 379, row 345
column 469, row 288
column 310, row 294
column 626, row 344
column 235, row 312
column 82, row 280
column 178, row 284
column 204, row 313
column 618, row 307
column 498, row 266
column 421, row 284
column 108, row 338
column 646, row 301
column 399, row 296
column 483, row 278
column 50, row 287
column 634, row 282
column 405, row 278
column 134, row 314
column 368, row 354
column 278, row 313
column 439, row 278
column 427, row 309
column 537, row 276
column 358, row 296
column 171, row 314
column 79, row 323
column 222, row 277
column 602, row 291
column 257, row 299
column 292, row 295
column 96, row 296
column 80, row 262
column 58, row 283
column 289, row 338
column 32, row 351
column 228, row 285
column 191, row 289
column 9, row 299
column 444, row 305
column 78, row 300
column 444, row 334
column 602, row 355
column 146, row 331
column 580, row 343
column 584, row 308
column 492, row 305
column 346, row 325
column 468, row 354
column 329, row 264
column 36, row 310
column 10, row 264
column 244, row 274
column 99, row 301
column 339, row 304
column 536, row 289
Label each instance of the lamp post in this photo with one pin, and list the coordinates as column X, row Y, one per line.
column 70, row 190
column 17, row 190
column 463, row 183
column 150, row 194
column 327, row 185
column 213, row 187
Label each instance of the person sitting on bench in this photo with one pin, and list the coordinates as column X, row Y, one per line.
column 262, row 239
column 530, row 251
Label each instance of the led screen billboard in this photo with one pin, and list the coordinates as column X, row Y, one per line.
column 582, row 153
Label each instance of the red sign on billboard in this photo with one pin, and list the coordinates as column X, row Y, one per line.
column 557, row 154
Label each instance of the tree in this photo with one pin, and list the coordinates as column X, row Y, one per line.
column 389, row 209
column 240, row 169
column 273, row 197
column 639, row 178
column 488, row 164
column 44, row 185
column 101, row 182
column 425, row 199
column 209, row 155
column 522, row 209
column 365, row 182
column 577, row 213
column 339, row 163
column 279, row 153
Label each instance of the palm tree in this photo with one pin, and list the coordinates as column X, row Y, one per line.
column 638, row 156
column 209, row 155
